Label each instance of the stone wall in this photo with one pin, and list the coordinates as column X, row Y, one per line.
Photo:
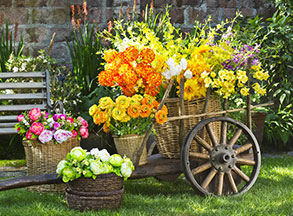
column 39, row 19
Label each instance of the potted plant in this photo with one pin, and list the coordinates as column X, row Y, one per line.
column 128, row 119
column 47, row 139
column 94, row 179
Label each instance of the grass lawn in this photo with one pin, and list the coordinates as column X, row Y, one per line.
column 12, row 163
column 271, row 195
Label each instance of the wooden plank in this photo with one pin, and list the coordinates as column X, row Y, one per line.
column 22, row 96
column 8, row 125
column 4, row 131
column 22, row 75
column 8, row 118
column 25, row 85
column 22, row 107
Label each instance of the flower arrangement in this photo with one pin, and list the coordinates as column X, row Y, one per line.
column 131, row 70
column 127, row 115
column 80, row 163
column 36, row 124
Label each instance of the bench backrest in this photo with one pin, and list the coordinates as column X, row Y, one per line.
column 40, row 97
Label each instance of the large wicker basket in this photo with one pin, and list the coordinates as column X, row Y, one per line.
column 106, row 191
column 129, row 145
column 43, row 159
column 167, row 138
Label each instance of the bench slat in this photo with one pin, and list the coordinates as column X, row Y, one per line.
column 22, row 75
column 28, row 85
column 8, row 118
column 4, row 131
column 22, row 96
column 8, row 125
column 22, row 107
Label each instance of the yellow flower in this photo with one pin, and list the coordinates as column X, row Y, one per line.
column 117, row 113
column 207, row 82
column 138, row 97
column 122, row 101
column 244, row 91
column 266, row 75
column 133, row 101
column 213, row 74
column 125, row 118
column 105, row 102
column 93, row 109
column 190, row 88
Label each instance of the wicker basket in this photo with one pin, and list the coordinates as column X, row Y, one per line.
column 129, row 145
column 106, row 191
column 43, row 159
column 167, row 138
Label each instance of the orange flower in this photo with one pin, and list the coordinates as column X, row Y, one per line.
column 131, row 54
column 152, row 90
column 145, row 111
column 154, row 79
column 99, row 117
column 147, row 55
column 106, row 128
column 110, row 55
column 164, row 108
column 129, row 78
column 133, row 111
column 155, row 104
column 105, row 78
column 143, row 70
column 129, row 90
column 161, row 117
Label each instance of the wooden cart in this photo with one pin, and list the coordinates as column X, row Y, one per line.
column 225, row 166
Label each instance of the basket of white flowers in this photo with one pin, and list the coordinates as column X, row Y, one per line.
column 94, row 180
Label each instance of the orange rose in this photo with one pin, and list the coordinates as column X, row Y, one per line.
column 145, row 111
column 161, row 117
column 99, row 117
column 133, row 111
column 147, row 55
column 131, row 54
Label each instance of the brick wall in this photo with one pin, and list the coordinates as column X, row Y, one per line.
column 39, row 19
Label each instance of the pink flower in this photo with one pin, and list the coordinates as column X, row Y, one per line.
column 18, row 129
column 46, row 136
column 74, row 133
column 34, row 114
column 37, row 128
column 70, row 119
column 84, row 123
column 20, row 118
column 29, row 135
column 62, row 135
column 56, row 125
column 83, row 132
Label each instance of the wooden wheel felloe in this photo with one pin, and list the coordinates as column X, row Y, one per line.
column 225, row 165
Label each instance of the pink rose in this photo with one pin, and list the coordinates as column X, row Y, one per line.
column 74, row 133
column 29, row 135
column 37, row 128
column 70, row 119
column 83, row 132
column 34, row 114
column 20, row 118
column 18, row 129
column 46, row 136
column 84, row 123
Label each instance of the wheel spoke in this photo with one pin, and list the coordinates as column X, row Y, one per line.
column 244, row 161
column 243, row 148
column 235, row 137
column 201, row 168
column 203, row 143
column 232, row 182
column 241, row 174
column 197, row 155
column 212, row 135
column 220, row 183
column 223, row 132
column 209, row 178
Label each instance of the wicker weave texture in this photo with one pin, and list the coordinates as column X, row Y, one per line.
column 129, row 145
column 44, row 158
column 168, row 133
column 106, row 191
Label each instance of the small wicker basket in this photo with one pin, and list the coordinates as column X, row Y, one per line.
column 129, row 145
column 167, row 138
column 44, row 158
column 106, row 191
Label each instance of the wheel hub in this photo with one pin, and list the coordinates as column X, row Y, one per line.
column 223, row 158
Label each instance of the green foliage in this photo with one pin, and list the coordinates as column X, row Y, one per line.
column 12, row 163
column 275, row 37
column 8, row 45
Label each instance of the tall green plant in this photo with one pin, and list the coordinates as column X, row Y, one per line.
column 8, row 45
column 86, row 59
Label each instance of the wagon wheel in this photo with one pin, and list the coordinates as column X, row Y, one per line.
column 229, row 165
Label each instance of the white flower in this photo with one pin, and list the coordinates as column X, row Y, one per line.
column 97, row 167
column 204, row 74
column 183, row 64
column 188, row 74
column 23, row 66
column 61, row 165
column 126, row 170
column 104, row 155
column 15, row 69
column 95, row 152
column 78, row 153
column 167, row 74
column 171, row 63
column 177, row 70
column 116, row 160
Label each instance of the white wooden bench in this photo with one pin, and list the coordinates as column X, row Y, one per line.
column 41, row 98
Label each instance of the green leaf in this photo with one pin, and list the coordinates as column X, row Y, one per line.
column 282, row 97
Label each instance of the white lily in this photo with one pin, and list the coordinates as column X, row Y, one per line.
column 183, row 63
column 188, row 74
